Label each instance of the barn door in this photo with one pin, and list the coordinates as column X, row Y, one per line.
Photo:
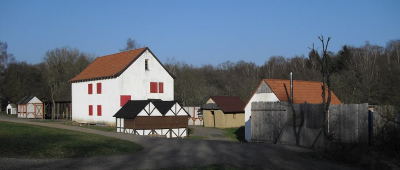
column 268, row 122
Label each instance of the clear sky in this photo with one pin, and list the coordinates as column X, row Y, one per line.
column 197, row 32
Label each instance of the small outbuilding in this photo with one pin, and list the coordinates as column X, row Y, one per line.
column 30, row 107
column 278, row 90
column 153, row 117
column 223, row 112
column 11, row 108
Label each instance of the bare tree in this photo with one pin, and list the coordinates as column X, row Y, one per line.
column 131, row 45
column 5, row 59
column 325, row 66
column 63, row 64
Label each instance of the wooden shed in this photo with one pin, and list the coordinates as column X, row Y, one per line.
column 153, row 117
column 223, row 112
column 30, row 107
column 11, row 108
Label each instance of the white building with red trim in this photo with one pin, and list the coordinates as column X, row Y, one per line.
column 102, row 88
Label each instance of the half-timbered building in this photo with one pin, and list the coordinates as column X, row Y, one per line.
column 30, row 107
column 153, row 117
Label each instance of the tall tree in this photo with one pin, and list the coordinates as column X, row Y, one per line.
column 131, row 45
column 62, row 64
column 5, row 59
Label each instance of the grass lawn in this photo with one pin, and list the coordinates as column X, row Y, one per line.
column 7, row 115
column 195, row 137
column 236, row 134
column 29, row 141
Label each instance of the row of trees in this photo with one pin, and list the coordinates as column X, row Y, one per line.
column 365, row 74
column 47, row 80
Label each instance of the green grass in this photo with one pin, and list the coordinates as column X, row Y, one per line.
column 29, row 141
column 191, row 130
column 7, row 115
column 196, row 137
column 236, row 134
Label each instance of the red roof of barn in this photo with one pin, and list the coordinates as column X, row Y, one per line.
column 229, row 104
column 303, row 91
column 110, row 66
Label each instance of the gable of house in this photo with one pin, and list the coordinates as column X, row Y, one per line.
column 134, row 108
column 111, row 66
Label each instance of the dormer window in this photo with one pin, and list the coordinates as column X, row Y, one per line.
column 146, row 64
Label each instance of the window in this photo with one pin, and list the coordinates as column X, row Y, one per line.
column 98, row 88
column 234, row 116
column 161, row 87
column 124, row 99
column 90, row 87
column 90, row 110
column 146, row 64
column 98, row 110
column 153, row 87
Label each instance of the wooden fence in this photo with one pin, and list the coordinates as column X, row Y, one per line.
column 279, row 122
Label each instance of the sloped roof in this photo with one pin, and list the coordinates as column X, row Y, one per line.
column 113, row 65
column 229, row 104
column 303, row 91
column 163, row 106
column 25, row 100
column 133, row 107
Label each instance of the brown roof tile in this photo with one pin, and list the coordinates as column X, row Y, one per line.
column 111, row 65
column 229, row 104
column 303, row 91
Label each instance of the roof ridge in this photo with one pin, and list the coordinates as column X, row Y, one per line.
column 295, row 80
column 122, row 52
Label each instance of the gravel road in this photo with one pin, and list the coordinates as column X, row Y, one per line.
column 170, row 153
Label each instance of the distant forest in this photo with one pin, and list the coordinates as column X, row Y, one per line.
column 365, row 74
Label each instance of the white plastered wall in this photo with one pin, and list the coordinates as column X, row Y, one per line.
column 134, row 81
column 108, row 99
column 257, row 97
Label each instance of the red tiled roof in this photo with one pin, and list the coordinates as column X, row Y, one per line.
column 302, row 91
column 111, row 65
column 229, row 104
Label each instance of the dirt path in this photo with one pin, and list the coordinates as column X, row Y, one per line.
column 162, row 153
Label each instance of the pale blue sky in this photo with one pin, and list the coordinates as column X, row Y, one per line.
column 197, row 32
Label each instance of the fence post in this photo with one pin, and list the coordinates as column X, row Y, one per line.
column 370, row 126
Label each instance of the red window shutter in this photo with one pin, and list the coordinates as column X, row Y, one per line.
column 161, row 87
column 98, row 88
column 98, row 110
column 90, row 87
column 90, row 110
column 153, row 87
column 124, row 99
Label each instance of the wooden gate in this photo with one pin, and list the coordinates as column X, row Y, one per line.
column 268, row 122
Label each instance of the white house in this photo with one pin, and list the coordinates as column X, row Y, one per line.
column 30, row 107
column 102, row 88
column 276, row 90
column 11, row 109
